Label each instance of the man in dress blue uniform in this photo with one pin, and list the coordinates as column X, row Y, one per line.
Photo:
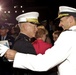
column 63, row 53
column 27, row 23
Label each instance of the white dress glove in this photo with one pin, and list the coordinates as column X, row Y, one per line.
column 3, row 49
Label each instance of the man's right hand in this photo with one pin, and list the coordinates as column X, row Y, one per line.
column 10, row 54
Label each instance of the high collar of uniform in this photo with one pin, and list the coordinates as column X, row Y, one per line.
column 21, row 35
column 73, row 28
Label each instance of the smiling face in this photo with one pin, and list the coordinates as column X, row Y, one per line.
column 64, row 23
column 67, row 22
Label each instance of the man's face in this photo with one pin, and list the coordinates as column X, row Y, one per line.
column 65, row 23
column 3, row 32
column 30, row 29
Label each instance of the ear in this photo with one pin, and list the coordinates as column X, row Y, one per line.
column 71, row 19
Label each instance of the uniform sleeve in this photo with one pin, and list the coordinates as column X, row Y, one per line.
column 52, row 57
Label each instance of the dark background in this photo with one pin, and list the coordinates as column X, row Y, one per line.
column 48, row 9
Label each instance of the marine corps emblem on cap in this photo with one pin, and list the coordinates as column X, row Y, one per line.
column 66, row 11
column 28, row 17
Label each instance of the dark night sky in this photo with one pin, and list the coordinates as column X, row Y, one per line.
column 48, row 9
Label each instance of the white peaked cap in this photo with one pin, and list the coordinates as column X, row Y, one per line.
column 28, row 17
column 66, row 9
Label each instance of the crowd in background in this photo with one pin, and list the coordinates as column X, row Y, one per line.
column 45, row 37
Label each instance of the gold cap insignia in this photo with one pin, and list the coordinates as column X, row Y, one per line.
column 61, row 15
column 33, row 20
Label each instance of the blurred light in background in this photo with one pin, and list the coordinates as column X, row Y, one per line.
column 0, row 8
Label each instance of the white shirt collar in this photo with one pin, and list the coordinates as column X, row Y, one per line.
column 73, row 28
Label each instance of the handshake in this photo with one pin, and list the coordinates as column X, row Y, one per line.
column 7, row 52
